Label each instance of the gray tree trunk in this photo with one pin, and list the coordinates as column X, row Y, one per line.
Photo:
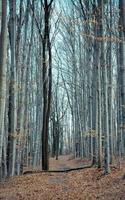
column 3, row 68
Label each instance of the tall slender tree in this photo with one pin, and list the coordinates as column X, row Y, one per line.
column 3, row 70
column 122, row 66
column 47, row 82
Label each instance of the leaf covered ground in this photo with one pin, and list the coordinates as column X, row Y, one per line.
column 86, row 184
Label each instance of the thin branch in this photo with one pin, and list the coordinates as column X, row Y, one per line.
column 49, row 5
column 36, row 22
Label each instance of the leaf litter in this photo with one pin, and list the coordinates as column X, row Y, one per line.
column 86, row 184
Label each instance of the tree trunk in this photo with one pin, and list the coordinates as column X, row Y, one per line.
column 12, row 113
column 122, row 66
column 3, row 68
column 47, row 84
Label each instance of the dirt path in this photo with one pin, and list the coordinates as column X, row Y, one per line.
column 66, row 162
column 61, row 163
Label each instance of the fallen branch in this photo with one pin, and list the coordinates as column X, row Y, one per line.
column 57, row 171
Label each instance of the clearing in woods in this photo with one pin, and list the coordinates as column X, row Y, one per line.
column 86, row 184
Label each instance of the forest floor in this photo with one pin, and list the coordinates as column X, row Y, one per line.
column 86, row 184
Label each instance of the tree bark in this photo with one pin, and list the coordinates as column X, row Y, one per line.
column 3, row 68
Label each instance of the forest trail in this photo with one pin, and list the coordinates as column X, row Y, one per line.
column 66, row 162
column 87, row 184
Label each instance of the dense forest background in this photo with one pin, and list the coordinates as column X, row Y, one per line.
column 62, row 82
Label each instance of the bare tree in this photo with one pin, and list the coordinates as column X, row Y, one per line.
column 3, row 68
column 47, row 81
